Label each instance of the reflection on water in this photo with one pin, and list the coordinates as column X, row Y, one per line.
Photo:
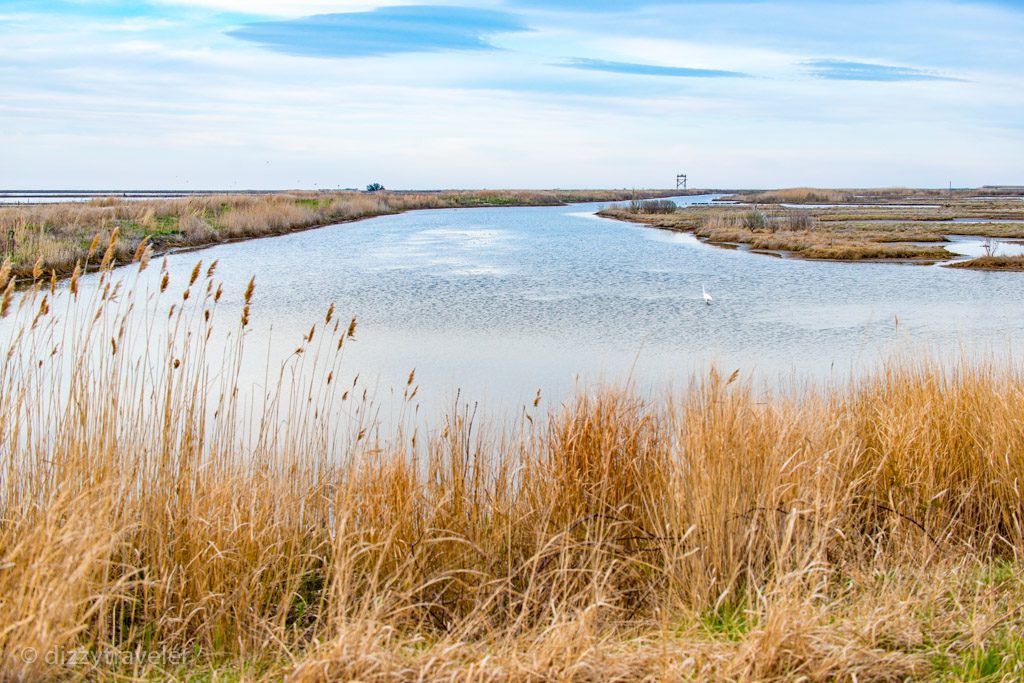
column 502, row 302
column 968, row 245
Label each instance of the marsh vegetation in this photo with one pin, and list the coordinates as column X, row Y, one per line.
column 854, row 225
column 869, row 531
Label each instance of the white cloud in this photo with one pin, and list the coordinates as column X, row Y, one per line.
column 298, row 8
column 171, row 104
column 692, row 54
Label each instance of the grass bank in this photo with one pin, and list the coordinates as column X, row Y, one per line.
column 863, row 230
column 53, row 238
column 1003, row 263
column 153, row 524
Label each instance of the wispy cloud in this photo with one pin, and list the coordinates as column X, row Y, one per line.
column 619, row 6
column 649, row 69
column 383, row 31
column 279, row 8
column 841, row 70
column 471, row 98
column 587, row 5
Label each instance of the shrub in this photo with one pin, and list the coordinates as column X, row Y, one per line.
column 652, row 206
column 195, row 229
column 800, row 221
column 755, row 220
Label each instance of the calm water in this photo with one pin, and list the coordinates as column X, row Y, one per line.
column 502, row 302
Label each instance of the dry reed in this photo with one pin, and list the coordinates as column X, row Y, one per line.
column 154, row 527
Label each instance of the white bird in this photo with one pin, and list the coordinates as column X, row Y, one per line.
column 707, row 297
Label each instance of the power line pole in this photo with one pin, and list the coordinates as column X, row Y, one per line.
column 681, row 181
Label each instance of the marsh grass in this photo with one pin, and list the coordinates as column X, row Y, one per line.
column 849, row 233
column 1003, row 263
column 890, row 195
column 798, row 234
column 865, row 532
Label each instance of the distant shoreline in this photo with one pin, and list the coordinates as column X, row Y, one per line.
column 52, row 240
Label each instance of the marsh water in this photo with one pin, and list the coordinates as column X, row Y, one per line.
column 498, row 303
column 501, row 302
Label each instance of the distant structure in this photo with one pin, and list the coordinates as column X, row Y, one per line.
column 681, row 181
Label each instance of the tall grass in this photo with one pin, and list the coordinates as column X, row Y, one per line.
column 864, row 532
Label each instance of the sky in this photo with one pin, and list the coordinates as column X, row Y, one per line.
column 319, row 94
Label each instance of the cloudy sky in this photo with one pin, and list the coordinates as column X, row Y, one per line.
column 232, row 94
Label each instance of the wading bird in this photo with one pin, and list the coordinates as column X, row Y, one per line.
column 707, row 297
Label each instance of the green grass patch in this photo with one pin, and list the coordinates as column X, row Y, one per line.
column 1000, row 660
column 731, row 621
column 306, row 598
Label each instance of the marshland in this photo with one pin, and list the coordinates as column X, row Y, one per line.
column 54, row 237
column 506, row 443
column 765, row 424
column 894, row 225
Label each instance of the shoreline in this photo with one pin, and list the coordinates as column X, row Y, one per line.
column 52, row 240
column 847, row 233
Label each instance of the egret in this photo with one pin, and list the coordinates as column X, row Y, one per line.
column 707, row 297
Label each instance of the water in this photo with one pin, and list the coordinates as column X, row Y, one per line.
column 501, row 302
column 973, row 246
column 81, row 196
column 984, row 220
column 41, row 199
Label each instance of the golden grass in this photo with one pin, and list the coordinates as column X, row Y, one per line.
column 799, row 195
column 55, row 237
column 153, row 526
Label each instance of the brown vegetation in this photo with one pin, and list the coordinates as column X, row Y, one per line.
column 155, row 526
column 890, row 195
column 1004, row 263
column 799, row 235
column 853, row 232
column 56, row 237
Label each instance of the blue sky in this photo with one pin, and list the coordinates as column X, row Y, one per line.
column 509, row 93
